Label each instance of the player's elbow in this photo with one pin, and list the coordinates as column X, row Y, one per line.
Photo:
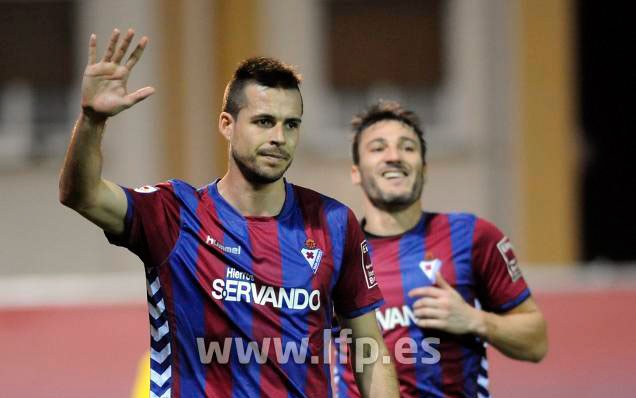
column 68, row 199
column 73, row 199
column 540, row 344
column 538, row 353
column 65, row 192
column 65, row 198
column 541, row 351
column 76, row 195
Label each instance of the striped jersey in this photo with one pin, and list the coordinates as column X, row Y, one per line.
column 238, row 306
column 478, row 261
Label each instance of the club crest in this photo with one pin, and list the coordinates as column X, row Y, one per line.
column 430, row 266
column 312, row 254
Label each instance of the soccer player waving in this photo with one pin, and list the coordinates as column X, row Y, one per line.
column 243, row 274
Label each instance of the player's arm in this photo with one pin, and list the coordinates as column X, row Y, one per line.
column 519, row 333
column 104, row 94
column 373, row 377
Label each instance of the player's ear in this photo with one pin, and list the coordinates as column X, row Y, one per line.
column 355, row 175
column 226, row 125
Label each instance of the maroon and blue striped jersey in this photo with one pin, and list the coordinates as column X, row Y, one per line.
column 478, row 261
column 238, row 306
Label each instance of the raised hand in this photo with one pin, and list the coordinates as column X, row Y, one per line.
column 104, row 91
column 442, row 307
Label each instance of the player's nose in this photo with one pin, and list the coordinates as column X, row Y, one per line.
column 392, row 154
column 277, row 134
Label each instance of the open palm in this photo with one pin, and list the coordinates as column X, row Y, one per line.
column 104, row 91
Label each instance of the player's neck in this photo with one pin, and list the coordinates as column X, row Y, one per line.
column 384, row 223
column 262, row 200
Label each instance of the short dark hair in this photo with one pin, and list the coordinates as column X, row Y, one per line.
column 380, row 111
column 265, row 71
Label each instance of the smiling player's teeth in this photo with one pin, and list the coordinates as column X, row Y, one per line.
column 393, row 174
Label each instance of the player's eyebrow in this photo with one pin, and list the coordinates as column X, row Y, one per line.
column 272, row 117
column 409, row 139
column 383, row 141
column 379, row 140
column 262, row 116
column 294, row 119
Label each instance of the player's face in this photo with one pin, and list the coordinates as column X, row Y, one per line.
column 391, row 170
column 265, row 132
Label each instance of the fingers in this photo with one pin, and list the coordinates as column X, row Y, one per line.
column 114, row 37
column 429, row 291
column 430, row 323
column 116, row 53
column 429, row 307
column 139, row 95
column 92, row 48
column 427, row 302
column 430, row 313
column 441, row 282
column 121, row 50
column 136, row 55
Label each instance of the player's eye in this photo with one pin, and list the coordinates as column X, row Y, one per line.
column 293, row 124
column 267, row 123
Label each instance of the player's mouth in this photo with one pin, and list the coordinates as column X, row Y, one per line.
column 394, row 174
column 274, row 154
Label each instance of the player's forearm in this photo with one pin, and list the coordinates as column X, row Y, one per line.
column 377, row 379
column 384, row 378
column 80, row 178
column 520, row 336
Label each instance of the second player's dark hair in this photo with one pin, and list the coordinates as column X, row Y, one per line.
column 265, row 71
column 385, row 110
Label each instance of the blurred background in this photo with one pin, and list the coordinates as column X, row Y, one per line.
column 529, row 114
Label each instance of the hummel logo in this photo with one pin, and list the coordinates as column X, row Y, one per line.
column 227, row 249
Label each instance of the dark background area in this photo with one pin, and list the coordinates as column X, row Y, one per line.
column 607, row 116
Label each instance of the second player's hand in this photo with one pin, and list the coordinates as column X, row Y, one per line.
column 442, row 307
column 104, row 91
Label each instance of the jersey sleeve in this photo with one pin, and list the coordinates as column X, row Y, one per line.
column 356, row 291
column 501, row 285
column 152, row 223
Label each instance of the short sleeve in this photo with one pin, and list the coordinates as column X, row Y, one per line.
column 356, row 291
column 152, row 223
column 501, row 284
